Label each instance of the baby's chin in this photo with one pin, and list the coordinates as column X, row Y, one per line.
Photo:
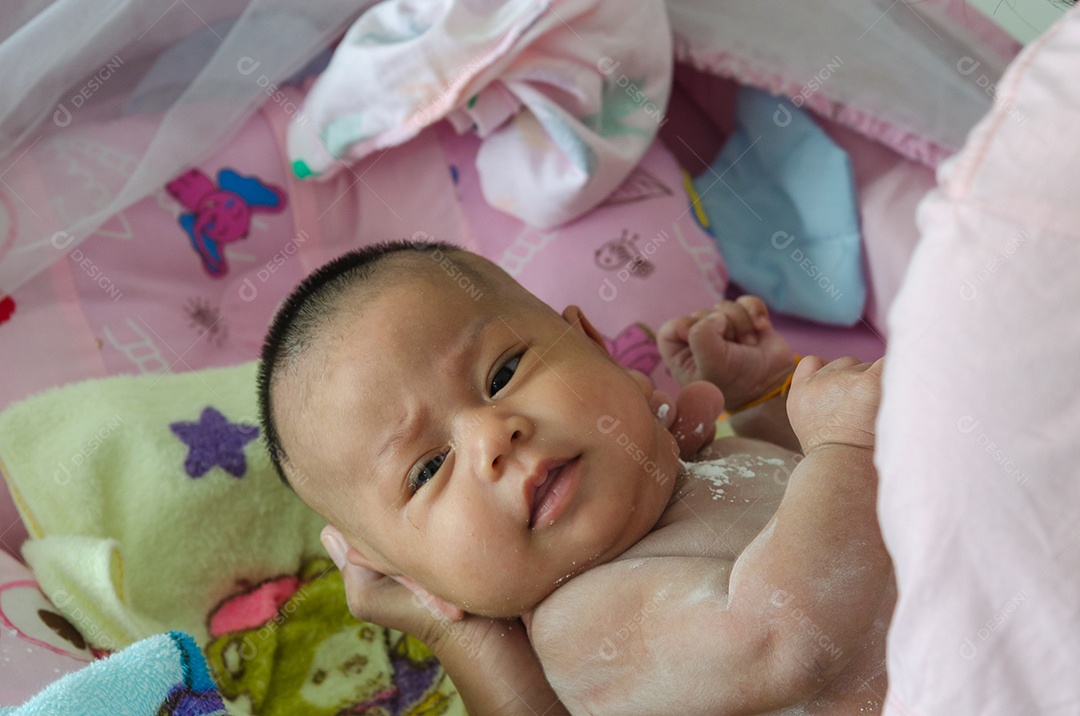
column 512, row 606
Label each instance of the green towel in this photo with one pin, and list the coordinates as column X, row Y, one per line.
column 149, row 499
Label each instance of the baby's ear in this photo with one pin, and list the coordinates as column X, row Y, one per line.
column 436, row 605
column 575, row 317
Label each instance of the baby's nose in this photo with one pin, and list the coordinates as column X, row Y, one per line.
column 498, row 439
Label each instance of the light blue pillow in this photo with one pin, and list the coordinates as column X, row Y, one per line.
column 781, row 205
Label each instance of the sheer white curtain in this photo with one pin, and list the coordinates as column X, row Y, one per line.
column 68, row 63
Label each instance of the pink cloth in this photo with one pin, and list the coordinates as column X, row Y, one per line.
column 978, row 450
column 37, row 644
column 893, row 76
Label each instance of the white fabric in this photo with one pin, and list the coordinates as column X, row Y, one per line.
column 978, row 451
column 567, row 95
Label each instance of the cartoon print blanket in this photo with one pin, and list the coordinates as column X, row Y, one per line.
column 152, row 507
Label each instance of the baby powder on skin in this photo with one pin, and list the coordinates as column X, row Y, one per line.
column 718, row 473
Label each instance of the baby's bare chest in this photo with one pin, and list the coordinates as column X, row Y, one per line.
column 722, row 502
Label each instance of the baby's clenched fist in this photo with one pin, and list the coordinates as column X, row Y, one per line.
column 835, row 403
column 732, row 345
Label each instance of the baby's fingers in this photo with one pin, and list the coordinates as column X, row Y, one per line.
column 756, row 310
column 675, row 330
column 739, row 324
column 673, row 343
column 710, row 337
column 698, row 406
column 663, row 407
column 708, row 342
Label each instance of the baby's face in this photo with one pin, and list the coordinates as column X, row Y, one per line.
column 484, row 447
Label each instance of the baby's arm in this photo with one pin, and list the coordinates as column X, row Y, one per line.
column 822, row 558
column 788, row 617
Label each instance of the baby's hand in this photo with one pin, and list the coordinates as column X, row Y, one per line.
column 733, row 345
column 834, row 403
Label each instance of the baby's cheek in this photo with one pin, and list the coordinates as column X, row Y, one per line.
column 604, row 403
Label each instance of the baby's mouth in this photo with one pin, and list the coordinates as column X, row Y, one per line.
column 550, row 495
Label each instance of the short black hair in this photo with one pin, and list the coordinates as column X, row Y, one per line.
column 308, row 308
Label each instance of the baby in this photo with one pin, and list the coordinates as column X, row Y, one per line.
column 485, row 452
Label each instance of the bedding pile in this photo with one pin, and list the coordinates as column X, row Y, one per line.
column 566, row 97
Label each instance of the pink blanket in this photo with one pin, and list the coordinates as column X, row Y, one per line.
column 978, row 448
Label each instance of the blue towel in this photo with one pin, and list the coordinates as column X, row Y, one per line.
column 163, row 675
column 780, row 202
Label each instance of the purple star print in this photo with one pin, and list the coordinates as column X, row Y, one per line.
column 215, row 442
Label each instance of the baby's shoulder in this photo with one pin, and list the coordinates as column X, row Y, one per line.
column 720, row 502
column 723, row 498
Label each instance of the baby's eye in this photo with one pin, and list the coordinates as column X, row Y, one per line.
column 504, row 374
column 425, row 471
